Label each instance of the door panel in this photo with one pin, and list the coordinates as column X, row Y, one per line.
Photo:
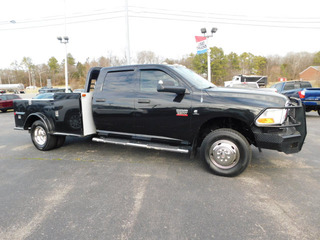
column 161, row 113
column 113, row 102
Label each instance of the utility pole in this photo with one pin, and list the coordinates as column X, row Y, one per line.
column 127, row 33
column 204, row 31
column 65, row 40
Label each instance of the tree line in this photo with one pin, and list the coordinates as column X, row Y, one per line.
column 223, row 66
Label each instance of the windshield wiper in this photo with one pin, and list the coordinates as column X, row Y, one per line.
column 208, row 87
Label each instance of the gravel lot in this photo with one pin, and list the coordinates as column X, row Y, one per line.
column 87, row 190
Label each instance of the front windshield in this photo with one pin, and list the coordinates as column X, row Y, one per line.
column 193, row 78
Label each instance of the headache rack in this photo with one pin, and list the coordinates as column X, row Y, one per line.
column 296, row 113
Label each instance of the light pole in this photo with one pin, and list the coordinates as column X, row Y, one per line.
column 204, row 31
column 65, row 40
column 40, row 78
column 127, row 33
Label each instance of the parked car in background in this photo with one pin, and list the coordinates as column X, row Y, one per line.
column 6, row 101
column 53, row 90
column 250, row 85
column 243, row 85
column 44, row 96
column 309, row 96
column 78, row 90
column 260, row 80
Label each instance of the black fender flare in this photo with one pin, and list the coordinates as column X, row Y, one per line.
column 38, row 116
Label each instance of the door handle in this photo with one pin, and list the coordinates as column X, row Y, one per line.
column 143, row 100
column 100, row 100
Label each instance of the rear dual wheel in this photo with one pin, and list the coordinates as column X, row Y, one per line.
column 226, row 151
column 41, row 138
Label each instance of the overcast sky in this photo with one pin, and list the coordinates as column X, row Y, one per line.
column 167, row 27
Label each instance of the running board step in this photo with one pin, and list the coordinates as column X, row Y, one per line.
column 140, row 144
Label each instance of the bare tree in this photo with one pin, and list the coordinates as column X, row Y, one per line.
column 147, row 57
column 28, row 66
column 297, row 62
column 42, row 72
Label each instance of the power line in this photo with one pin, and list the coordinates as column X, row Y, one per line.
column 60, row 23
column 164, row 14
column 60, row 17
column 223, row 18
column 222, row 14
column 228, row 23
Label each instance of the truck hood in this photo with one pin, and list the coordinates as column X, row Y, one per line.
column 250, row 97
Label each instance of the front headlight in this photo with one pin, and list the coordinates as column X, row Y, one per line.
column 272, row 117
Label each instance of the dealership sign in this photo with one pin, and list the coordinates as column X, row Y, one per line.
column 201, row 44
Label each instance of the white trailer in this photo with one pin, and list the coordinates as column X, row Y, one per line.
column 17, row 88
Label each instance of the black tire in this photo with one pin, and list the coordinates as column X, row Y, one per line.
column 41, row 138
column 60, row 141
column 4, row 110
column 319, row 112
column 226, row 151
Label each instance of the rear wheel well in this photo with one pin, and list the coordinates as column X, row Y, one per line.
column 226, row 122
column 31, row 119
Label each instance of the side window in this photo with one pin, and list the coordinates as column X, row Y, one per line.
column 149, row 80
column 289, row 86
column 305, row 85
column 278, row 87
column 118, row 81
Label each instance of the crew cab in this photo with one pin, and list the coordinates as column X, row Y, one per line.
column 309, row 96
column 167, row 107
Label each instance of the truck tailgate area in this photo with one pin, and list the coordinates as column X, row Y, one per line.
column 62, row 114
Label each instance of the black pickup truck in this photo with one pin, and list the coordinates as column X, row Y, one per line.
column 167, row 107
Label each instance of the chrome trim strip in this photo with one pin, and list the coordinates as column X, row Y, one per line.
column 67, row 134
column 142, row 145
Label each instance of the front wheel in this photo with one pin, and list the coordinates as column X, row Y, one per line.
column 226, row 151
column 41, row 138
column 319, row 112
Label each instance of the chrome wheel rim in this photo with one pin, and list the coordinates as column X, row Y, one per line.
column 40, row 135
column 224, row 154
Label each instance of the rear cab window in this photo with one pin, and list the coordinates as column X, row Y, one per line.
column 119, row 81
column 305, row 85
column 289, row 86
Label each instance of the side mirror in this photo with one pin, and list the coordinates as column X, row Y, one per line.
column 162, row 87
